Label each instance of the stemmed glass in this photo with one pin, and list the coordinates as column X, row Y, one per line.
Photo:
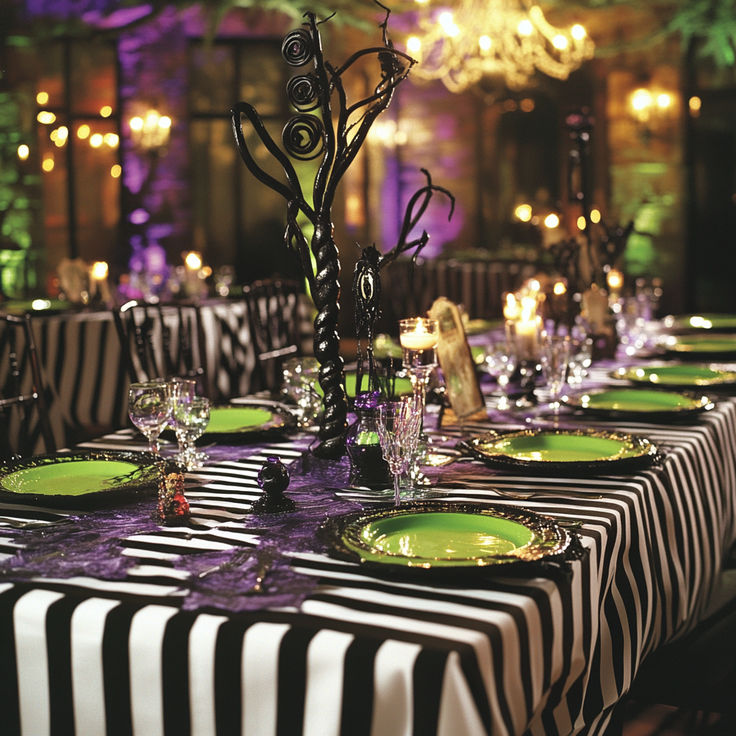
column 500, row 363
column 555, row 358
column 190, row 420
column 149, row 408
column 183, row 391
column 418, row 337
column 399, row 423
column 581, row 357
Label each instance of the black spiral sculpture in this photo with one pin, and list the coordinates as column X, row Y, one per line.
column 309, row 136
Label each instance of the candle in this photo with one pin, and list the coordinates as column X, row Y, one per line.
column 98, row 281
column 418, row 340
column 615, row 280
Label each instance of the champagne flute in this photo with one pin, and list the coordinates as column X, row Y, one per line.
column 149, row 408
column 399, row 423
column 190, row 421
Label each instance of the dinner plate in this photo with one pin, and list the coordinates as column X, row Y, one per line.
column 564, row 451
column 88, row 479
column 698, row 322
column 428, row 537
column 677, row 375
column 246, row 423
column 640, row 403
column 701, row 346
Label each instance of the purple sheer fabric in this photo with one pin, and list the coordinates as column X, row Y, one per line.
column 238, row 579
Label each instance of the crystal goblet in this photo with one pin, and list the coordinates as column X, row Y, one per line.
column 555, row 360
column 399, row 423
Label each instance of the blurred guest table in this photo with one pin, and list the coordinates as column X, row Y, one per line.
column 246, row 623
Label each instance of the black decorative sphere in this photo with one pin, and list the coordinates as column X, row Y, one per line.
column 273, row 478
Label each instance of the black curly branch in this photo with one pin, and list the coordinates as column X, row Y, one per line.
column 301, row 138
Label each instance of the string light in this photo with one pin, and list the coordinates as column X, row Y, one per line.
column 507, row 38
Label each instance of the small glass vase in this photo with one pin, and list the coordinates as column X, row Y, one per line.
column 368, row 467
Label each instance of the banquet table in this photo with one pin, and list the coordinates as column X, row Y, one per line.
column 125, row 633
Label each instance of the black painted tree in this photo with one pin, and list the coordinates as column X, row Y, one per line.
column 326, row 125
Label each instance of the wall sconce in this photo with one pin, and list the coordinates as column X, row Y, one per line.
column 150, row 131
column 653, row 110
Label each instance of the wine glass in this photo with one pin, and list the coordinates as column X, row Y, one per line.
column 581, row 356
column 399, row 423
column 500, row 364
column 190, row 420
column 149, row 408
column 555, row 358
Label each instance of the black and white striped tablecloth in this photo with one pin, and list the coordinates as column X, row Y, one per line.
column 364, row 654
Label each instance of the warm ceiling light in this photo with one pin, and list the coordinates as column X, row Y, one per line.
column 83, row 131
column 111, row 140
column 510, row 39
column 42, row 98
column 150, row 131
column 595, row 216
column 96, row 140
column 580, row 222
column 664, row 100
column 115, row 171
column 551, row 221
column 47, row 164
column 23, row 152
column 105, row 111
column 45, row 117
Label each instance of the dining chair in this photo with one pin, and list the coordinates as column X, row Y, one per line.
column 274, row 318
column 25, row 427
column 162, row 341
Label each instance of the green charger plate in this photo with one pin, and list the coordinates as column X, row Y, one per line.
column 705, row 345
column 564, row 451
column 697, row 322
column 677, row 375
column 435, row 537
column 89, row 479
column 246, row 423
column 640, row 403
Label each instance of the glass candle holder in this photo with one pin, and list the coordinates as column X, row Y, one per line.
column 418, row 337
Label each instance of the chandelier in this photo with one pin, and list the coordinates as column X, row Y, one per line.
column 510, row 39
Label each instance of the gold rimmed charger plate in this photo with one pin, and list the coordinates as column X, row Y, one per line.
column 640, row 403
column 701, row 346
column 437, row 537
column 563, row 451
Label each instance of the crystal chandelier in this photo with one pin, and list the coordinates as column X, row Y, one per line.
column 501, row 38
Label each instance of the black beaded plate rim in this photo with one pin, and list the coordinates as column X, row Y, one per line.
column 150, row 465
column 701, row 403
column 550, row 541
column 646, row 453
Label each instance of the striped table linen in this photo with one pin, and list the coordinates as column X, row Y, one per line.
column 364, row 654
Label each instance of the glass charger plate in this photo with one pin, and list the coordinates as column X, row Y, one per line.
column 697, row 322
column 436, row 537
column 701, row 345
column 561, row 451
column 247, row 423
column 675, row 375
column 640, row 403
column 88, row 479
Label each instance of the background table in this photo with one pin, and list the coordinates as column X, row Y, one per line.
column 363, row 653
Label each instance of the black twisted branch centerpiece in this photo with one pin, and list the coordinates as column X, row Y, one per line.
column 333, row 137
